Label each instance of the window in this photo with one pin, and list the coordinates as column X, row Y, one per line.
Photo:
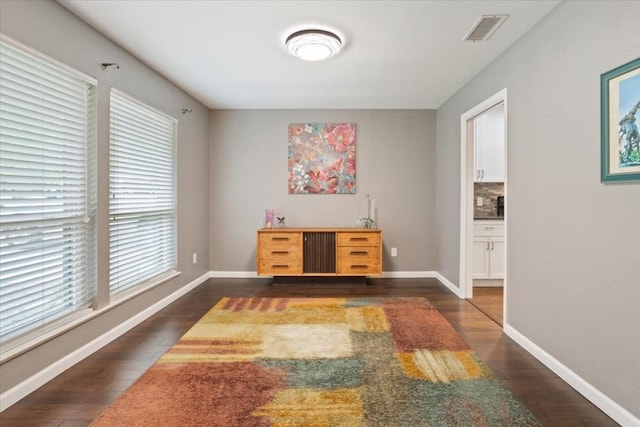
column 142, row 211
column 47, row 239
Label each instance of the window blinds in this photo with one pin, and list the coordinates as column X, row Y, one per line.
column 47, row 129
column 142, row 208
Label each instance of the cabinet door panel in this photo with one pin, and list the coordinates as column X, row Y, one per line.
column 480, row 255
column 489, row 155
column 496, row 267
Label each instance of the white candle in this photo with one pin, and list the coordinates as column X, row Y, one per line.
column 372, row 213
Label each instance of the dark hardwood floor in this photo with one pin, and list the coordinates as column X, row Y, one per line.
column 80, row 394
column 490, row 301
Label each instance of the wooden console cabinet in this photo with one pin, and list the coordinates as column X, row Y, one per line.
column 319, row 252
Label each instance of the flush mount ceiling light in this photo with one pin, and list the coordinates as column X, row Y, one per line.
column 313, row 45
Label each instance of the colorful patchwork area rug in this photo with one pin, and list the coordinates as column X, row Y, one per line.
column 319, row 362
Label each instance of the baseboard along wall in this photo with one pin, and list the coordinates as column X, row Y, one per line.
column 595, row 396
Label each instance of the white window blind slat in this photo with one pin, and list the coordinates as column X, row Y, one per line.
column 21, row 161
column 42, row 123
column 24, row 182
column 19, row 299
column 42, row 145
column 33, row 255
column 127, row 208
column 57, row 103
column 146, row 121
column 127, row 250
column 47, row 129
column 143, row 137
column 42, row 130
column 148, row 162
column 142, row 187
column 29, row 74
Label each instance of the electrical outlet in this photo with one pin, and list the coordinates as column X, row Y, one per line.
column 479, row 201
column 195, row 257
column 394, row 251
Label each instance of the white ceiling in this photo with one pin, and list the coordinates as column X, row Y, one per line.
column 231, row 54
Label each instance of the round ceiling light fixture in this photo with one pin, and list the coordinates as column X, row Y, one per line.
column 313, row 45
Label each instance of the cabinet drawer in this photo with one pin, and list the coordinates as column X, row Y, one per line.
column 280, row 267
column 356, row 253
column 359, row 267
column 488, row 230
column 282, row 253
column 359, row 239
column 280, row 240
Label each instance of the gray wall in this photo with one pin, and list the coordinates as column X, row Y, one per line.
column 574, row 260
column 395, row 165
column 48, row 27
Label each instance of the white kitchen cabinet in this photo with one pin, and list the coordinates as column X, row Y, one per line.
column 480, row 258
column 488, row 250
column 489, row 156
column 496, row 258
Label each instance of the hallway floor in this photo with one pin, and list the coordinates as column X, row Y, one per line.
column 489, row 300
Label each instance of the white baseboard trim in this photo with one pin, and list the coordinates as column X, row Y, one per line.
column 409, row 274
column 387, row 274
column 233, row 275
column 608, row 406
column 453, row 288
column 32, row 383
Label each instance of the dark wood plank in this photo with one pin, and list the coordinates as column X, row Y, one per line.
column 80, row 394
column 489, row 300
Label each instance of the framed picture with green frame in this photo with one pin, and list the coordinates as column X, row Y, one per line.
column 620, row 114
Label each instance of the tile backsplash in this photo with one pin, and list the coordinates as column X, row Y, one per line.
column 489, row 191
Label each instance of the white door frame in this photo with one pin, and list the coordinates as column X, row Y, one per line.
column 466, row 195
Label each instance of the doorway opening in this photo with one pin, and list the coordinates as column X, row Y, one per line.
column 483, row 222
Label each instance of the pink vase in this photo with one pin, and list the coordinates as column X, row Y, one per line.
column 269, row 215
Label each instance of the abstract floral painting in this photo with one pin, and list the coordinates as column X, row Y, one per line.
column 322, row 158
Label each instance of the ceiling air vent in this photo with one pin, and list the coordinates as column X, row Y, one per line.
column 484, row 28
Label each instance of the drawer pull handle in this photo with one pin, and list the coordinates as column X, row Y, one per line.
column 359, row 253
column 359, row 266
column 279, row 252
column 286, row 239
column 488, row 228
column 279, row 265
column 359, row 239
